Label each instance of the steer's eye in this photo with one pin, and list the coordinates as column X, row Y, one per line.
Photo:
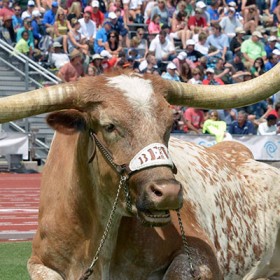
column 110, row 128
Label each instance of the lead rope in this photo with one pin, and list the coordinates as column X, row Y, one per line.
column 185, row 243
column 89, row 271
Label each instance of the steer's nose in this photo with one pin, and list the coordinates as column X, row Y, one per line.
column 165, row 194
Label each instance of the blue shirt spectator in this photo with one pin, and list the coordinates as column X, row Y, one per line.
column 102, row 37
column 272, row 61
column 242, row 126
column 170, row 73
column 35, row 26
column 49, row 16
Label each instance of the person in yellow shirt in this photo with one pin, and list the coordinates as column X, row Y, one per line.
column 22, row 45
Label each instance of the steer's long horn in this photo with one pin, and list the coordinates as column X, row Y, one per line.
column 224, row 96
column 38, row 101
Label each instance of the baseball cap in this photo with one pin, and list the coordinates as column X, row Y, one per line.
column 190, row 42
column 95, row 4
column 182, row 56
column 273, row 29
column 30, row 3
column 88, row 9
column 198, row 10
column 239, row 30
column 210, row 70
column 105, row 53
column 200, row 4
column 258, row 34
column 57, row 45
column 112, row 15
column 232, row 9
column 232, row 4
column 171, row 65
column 36, row 13
column 272, row 39
column 96, row 56
column 54, row 4
column 26, row 18
column 276, row 51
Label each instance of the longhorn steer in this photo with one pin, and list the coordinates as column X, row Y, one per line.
column 128, row 114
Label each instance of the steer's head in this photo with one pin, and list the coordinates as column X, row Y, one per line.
column 129, row 115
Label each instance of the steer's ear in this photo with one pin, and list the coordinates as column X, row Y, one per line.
column 67, row 121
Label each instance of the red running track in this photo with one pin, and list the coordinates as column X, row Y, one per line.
column 19, row 202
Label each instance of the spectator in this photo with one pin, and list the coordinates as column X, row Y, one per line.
column 97, row 16
column 6, row 11
column 108, row 61
column 197, row 21
column 201, row 5
column 75, row 40
column 223, row 70
column 237, row 40
column 180, row 28
column 96, row 65
column 17, row 20
column 252, row 48
column 7, row 32
column 30, row 7
column 251, row 17
column 196, row 77
column 102, row 37
column 170, row 73
column 23, row 46
column 35, row 27
column 154, row 25
column 192, row 54
column 276, row 111
column 149, row 65
column 72, row 70
column 142, row 45
column 272, row 61
column 88, row 28
column 60, row 28
column 49, row 19
column 135, row 11
column 179, row 61
column 57, row 58
column 161, row 9
column 210, row 78
column 178, row 120
column 242, row 126
column 220, row 41
column 201, row 46
column 258, row 67
column 26, row 27
column 163, row 49
column 229, row 23
column 215, row 12
column 215, row 126
column 228, row 116
column 270, row 45
column 118, row 25
column 75, row 11
column 269, row 127
column 113, row 45
column 194, row 120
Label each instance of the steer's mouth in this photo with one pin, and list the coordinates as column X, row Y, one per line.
column 154, row 218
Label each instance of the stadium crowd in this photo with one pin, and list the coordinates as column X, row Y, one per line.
column 210, row 42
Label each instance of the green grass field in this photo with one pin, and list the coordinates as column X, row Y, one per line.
column 13, row 259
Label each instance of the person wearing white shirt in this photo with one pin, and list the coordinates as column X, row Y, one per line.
column 269, row 127
column 162, row 48
column 88, row 29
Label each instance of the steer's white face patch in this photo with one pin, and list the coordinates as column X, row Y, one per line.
column 138, row 91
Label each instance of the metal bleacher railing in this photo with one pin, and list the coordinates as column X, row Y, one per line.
column 34, row 76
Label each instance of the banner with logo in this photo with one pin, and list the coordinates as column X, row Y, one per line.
column 263, row 147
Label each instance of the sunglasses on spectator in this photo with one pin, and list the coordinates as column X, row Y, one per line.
column 113, row 36
column 141, row 34
column 17, row 10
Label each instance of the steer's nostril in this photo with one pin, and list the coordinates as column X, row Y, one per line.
column 156, row 192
